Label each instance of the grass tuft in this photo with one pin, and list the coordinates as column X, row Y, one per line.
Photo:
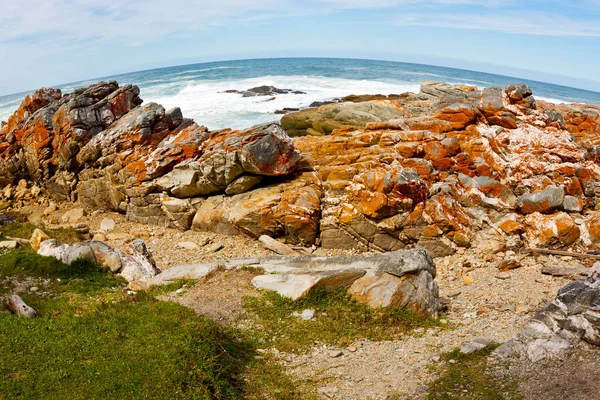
column 470, row 378
column 339, row 320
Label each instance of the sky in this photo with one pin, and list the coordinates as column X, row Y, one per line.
column 51, row 42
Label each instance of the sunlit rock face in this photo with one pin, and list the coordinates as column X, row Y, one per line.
column 438, row 169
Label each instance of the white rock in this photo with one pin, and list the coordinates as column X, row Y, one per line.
column 107, row 224
column 9, row 244
column 307, row 314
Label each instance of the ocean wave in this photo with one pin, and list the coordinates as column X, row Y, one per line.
column 192, row 71
column 208, row 104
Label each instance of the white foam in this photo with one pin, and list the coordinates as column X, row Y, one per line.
column 552, row 100
column 192, row 71
column 207, row 104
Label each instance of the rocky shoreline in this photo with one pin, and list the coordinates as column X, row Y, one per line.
column 484, row 180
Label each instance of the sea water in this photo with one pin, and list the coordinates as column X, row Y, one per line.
column 200, row 89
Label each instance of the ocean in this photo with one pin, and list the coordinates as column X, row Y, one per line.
column 199, row 89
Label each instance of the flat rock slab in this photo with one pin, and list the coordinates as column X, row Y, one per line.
column 295, row 286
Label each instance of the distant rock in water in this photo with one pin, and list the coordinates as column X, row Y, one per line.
column 449, row 167
column 264, row 91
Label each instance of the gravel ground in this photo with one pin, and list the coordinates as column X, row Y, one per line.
column 482, row 302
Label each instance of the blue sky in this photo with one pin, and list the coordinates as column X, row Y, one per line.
column 49, row 42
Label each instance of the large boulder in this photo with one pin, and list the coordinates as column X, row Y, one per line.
column 324, row 119
column 260, row 151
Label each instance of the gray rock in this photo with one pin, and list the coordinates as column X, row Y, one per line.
column 133, row 265
column 545, row 201
column 472, row 347
column 307, row 314
column 573, row 315
column 572, row 204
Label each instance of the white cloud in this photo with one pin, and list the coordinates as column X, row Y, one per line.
column 365, row 4
column 527, row 23
column 131, row 20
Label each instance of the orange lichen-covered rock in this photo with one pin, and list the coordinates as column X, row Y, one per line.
column 547, row 230
column 381, row 193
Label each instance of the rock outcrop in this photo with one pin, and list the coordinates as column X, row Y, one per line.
column 402, row 278
column 450, row 167
column 134, row 265
column 574, row 315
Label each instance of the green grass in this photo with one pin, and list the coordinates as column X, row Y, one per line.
column 81, row 276
column 471, row 379
column 92, row 340
column 339, row 320
column 24, row 230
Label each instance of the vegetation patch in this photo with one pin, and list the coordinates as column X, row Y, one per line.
column 469, row 377
column 24, row 230
column 339, row 320
column 81, row 276
column 94, row 340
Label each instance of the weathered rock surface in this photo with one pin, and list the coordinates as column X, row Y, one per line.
column 574, row 315
column 401, row 278
column 439, row 169
column 134, row 265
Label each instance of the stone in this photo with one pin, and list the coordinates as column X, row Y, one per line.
column 572, row 316
column 37, row 237
column 296, row 285
column 471, row 347
column 307, row 314
column 9, row 244
column 547, row 230
column 99, row 237
column 545, row 201
column 324, row 119
column 572, row 204
column 242, row 184
column 73, row 216
column 187, row 245
column 132, row 264
column 336, row 353
column 215, row 247
column 554, row 270
column 443, row 89
column 107, row 224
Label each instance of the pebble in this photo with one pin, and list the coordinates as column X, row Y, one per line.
column 335, row 353
column 307, row 314
column 34, row 289
column 507, row 307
